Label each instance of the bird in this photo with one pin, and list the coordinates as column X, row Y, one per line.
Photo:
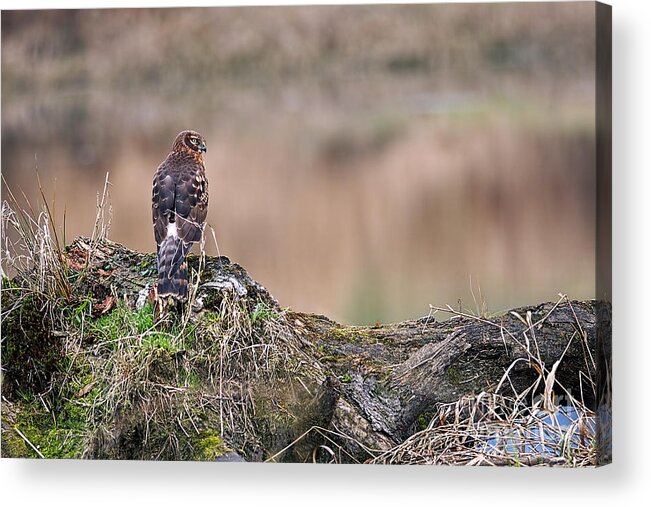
column 179, row 206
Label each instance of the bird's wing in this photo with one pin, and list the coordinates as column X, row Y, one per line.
column 162, row 200
column 191, row 204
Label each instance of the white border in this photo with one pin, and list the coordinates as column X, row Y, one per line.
column 25, row 482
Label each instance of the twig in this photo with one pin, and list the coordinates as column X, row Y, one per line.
column 20, row 434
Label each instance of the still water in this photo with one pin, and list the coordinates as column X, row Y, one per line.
column 354, row 175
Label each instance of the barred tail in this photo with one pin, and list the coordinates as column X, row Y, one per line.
column 172, row 268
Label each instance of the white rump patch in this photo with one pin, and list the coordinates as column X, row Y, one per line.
column 142, row 297
column 171, row 230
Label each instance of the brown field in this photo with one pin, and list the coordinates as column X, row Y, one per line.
column 364, row 162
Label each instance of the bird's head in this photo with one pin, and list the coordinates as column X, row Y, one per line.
column 191, row 141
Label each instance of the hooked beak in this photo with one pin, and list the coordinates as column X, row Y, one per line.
column 204, row 148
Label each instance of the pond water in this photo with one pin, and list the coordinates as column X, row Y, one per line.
column 363, row 163
column 547, row 434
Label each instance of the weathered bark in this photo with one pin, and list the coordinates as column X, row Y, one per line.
column 381, row 383
column 394, row 374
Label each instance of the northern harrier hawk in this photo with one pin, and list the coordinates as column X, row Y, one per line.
column 179, row 205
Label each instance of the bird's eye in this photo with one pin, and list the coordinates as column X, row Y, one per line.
column 194, row 141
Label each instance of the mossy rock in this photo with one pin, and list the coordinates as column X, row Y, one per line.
column 31, row 351
column 209, row 446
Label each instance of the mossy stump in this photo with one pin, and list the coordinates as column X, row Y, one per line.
column 95, row 375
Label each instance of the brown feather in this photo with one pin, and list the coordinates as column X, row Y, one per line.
column 179, row 195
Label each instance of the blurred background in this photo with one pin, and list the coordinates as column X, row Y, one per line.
column 364, row 161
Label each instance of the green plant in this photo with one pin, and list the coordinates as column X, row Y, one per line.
column 261, row 312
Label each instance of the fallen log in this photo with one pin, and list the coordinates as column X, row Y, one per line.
column 238, row 375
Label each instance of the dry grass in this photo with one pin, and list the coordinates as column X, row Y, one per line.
column 33, row 247
column 491, row 429
column 178, row 387
column 200, row 376
column 195, row 388
column 347, row 126
column 37, row 256
column 507, row 426
column 504, row 427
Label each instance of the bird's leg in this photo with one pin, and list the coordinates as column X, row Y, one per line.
column 164, row 308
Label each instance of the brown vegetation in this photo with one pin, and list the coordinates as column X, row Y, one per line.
column 236, row 372
column 363, row 161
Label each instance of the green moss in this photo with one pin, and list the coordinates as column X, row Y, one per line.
column 454, row 376
column 274, row 418
column 57, row 434
column 213, row 299
column 210, row 318
column 30, row 352
column 351, row 334
column 13, row 446
column 147, row 266
column 127, row 388
column 332, row 359
column 209, row 446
